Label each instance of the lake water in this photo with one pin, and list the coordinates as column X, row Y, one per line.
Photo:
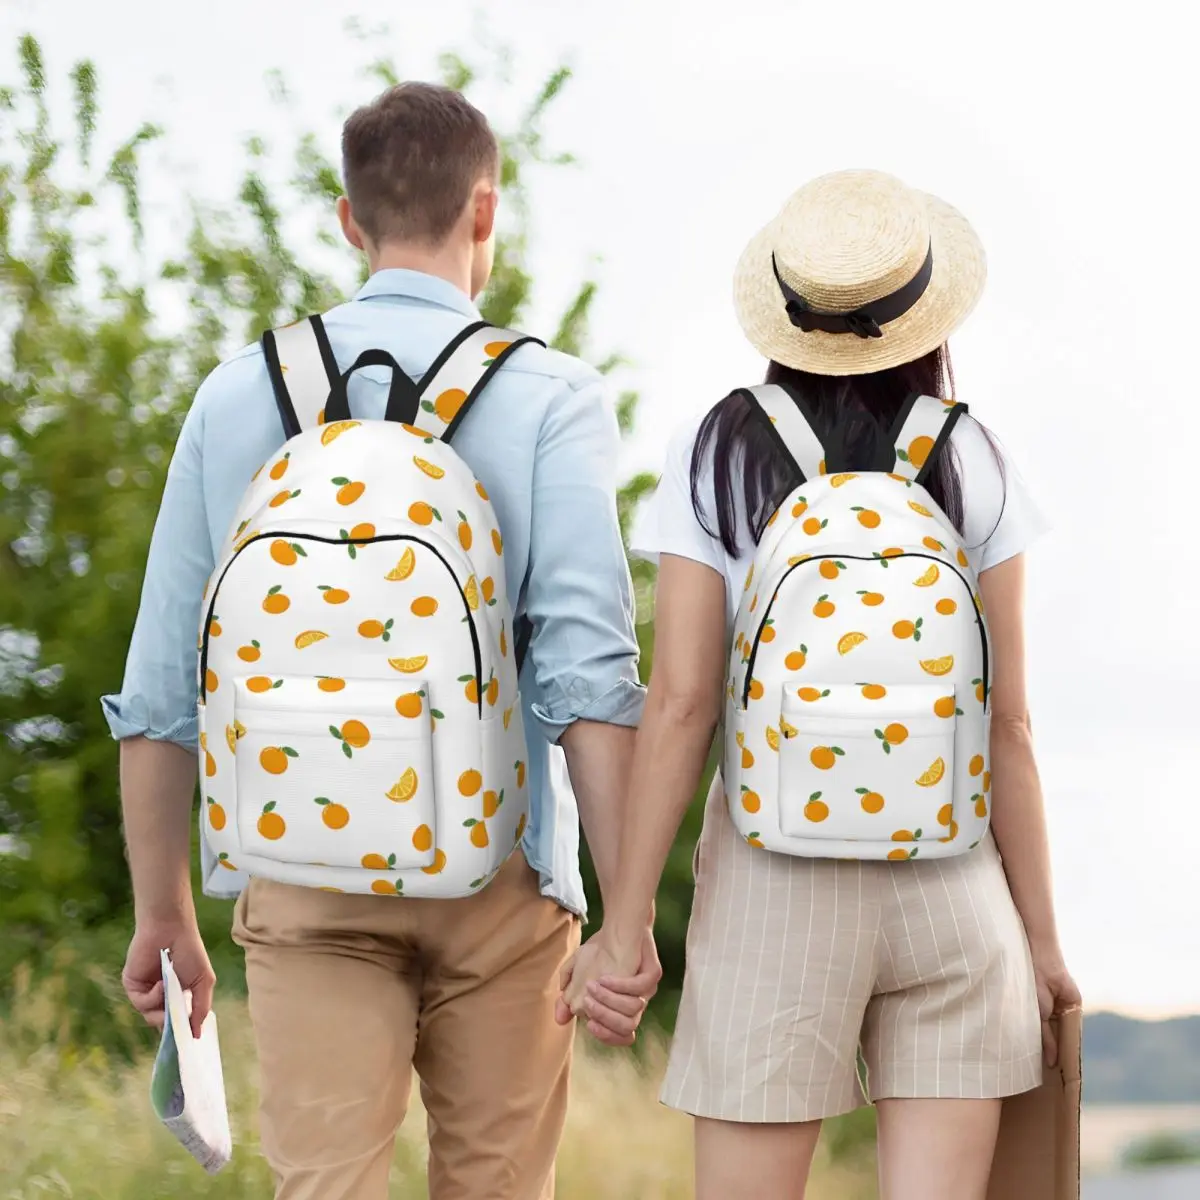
column 1106, row 1130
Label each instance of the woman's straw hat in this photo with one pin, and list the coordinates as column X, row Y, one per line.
column 857, row 273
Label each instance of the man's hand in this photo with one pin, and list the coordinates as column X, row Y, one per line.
column 142, row 977
column 610, row 988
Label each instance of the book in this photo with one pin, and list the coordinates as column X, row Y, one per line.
column 187, row 1087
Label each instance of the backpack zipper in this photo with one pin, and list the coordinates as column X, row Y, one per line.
column 312, row 537
column 864, row 558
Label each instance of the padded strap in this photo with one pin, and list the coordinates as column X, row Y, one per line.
column 302, row 370
column 786, row 415
column 457, row 378
column 922, row 428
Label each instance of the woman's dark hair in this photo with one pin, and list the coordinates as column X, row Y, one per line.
column 854, row 416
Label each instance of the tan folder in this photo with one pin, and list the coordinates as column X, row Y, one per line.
column 1037, row 1153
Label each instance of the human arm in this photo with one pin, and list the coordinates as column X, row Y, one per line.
column 155, row 719
column 683, row 708
column 157, row 783
column 584, row 649
column 583, row 652
column 1018, row 810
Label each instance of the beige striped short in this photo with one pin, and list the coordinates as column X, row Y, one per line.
column 795, row 964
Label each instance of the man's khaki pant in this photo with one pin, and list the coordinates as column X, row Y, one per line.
column 349, row 993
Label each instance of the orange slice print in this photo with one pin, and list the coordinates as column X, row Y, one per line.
column 405, row 788
column 335, row 429
column 428, row 468
column 404, row 567
column 848, row 641
column 938, row 666
column 933, row 775
column 409, row 666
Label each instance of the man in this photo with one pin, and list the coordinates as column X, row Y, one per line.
column 348, row 993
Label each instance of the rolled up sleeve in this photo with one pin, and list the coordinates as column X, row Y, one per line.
column 579, row 596
column 158, row 694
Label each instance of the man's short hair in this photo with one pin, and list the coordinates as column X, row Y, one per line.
column 410, row 159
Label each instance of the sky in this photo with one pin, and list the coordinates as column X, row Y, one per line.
column 1061, row 132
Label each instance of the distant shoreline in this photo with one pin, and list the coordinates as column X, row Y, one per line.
column 1107, row 1130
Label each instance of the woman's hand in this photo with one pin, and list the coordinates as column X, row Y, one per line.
column 1056, row 992
column 610, row 986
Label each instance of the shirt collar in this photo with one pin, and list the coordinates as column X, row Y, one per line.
column 416, row 285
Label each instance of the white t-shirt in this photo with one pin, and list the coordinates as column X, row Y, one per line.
column 1000, row 518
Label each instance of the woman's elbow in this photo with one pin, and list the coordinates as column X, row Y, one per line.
column 686, row 707
column 1012, row 728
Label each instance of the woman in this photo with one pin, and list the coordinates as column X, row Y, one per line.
column 935, row 968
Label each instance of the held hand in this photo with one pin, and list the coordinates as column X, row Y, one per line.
column 610, row 988
column 142, row 976
column 1056, row 992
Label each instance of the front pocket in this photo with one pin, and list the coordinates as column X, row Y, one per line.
column 335, row 778
column 867, row 763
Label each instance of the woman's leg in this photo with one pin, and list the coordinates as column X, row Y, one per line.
column 953, row 1028
column 766, row 1162
column 936, row 1149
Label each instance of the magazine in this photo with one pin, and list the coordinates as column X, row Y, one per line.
column 187, row 1089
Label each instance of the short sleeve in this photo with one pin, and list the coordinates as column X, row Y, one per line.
column 666, row 522
column 1001, row 517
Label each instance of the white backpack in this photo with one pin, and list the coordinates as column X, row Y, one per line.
column 857, row 709
column 360, row 720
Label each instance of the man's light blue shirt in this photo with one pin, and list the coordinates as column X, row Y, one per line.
column 543, row 440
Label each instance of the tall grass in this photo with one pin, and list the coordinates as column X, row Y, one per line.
column 76, row 1123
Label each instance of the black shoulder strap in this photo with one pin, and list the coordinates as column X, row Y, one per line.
column 786, row 417
column 920, row 431
column 461, row 372
column 302, row 370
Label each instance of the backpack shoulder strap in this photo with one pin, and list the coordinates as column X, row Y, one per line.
column 786, row 417
column 459, row 374
column 302, row 370
column 304, row 373
column 921, row 429
column 448, row 390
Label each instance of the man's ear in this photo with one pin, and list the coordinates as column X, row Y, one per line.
column 486, row 198
column 350, row 227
